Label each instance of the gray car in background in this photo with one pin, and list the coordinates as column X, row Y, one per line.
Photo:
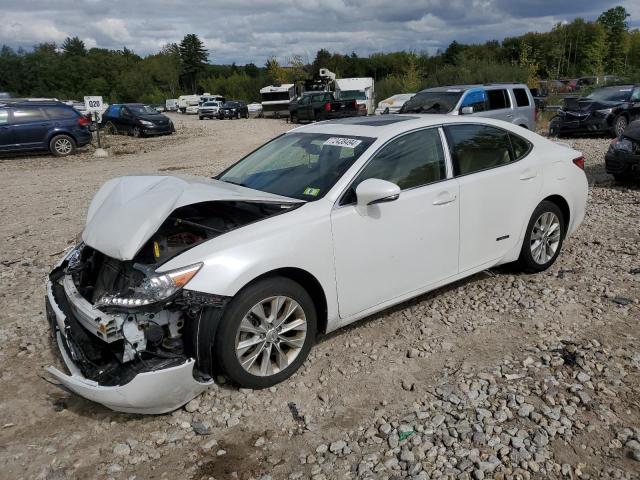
column 510, row 102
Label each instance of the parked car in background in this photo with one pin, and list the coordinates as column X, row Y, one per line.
column 136, row 119
column 605, row 110
column 319, row 106
column 393, row 104
column 510, row 102
column 255, row 109
column 158, row 107
column 4, row 95
column 178, row 280
column 209, row 110
column 623, row 157
column 42, row 125
column 233, row 109
column 360, row 89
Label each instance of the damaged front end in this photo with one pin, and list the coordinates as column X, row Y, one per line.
column 134, row 339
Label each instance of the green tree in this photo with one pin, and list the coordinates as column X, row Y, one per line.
column 616, row 27
column 74, row 46
column 193, row 57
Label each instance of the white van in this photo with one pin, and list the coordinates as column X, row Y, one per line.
column 171, row 104
column 186, row 101
column 359, row 89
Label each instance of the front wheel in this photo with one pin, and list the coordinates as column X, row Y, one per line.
column 266, row 333
column 136, row 131
column 619, row 126
column 62, row 145
column 543, row 238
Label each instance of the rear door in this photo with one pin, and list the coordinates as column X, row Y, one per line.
column 30, row 127
column 499, row 182
column 498, row 105
column 524, row 108
column 6, row 130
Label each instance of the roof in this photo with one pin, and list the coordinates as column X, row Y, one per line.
column 32, row 103
column 276, row 88
column 354, row 83
column 388, row 126
column 445, row 88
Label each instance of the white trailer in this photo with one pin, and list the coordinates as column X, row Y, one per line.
column 359, row 89
column 171, row 104
column 276, row 99
column 186, row 101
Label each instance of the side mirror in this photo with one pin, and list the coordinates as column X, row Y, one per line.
column 374, row 190
column 466, row 110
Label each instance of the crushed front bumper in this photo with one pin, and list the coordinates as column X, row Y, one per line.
column 149, row 392
column 574, row 122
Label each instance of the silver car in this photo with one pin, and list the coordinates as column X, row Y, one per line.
column 510, row 102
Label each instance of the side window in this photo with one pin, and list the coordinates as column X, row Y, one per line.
column 59, row 112
column 520, row 146
column 522, row 99
column 477, row 99
column 498, row 99
column 4, row 116
column 413, row 160
column 478, row 147
column 635, row 96
column 24, row 115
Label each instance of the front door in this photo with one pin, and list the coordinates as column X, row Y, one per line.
column 30, row 127
column 388, row 250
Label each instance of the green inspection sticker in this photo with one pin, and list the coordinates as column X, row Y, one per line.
column 311, row 191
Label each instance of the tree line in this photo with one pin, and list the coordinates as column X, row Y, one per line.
column 70, row 70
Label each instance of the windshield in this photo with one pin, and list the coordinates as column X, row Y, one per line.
column 143, row 110
column 298, row 165
column 210, row 104
column 352, row 95
column 231, row 105
column 614, row 94
column 432, row 102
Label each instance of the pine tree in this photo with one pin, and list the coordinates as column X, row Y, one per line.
column 193, row 57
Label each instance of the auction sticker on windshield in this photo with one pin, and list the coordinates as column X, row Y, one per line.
column 342, row 142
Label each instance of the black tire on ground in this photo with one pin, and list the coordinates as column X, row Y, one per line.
column 294, row 118
column 62, row 145
column 621, row 178
column 200, row 117
column 136, row 131
column 526, row 261
column 619, row 126
column 225, row 340
column 110, row 128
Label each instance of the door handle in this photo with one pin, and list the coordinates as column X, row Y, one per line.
column 528, row 175
column 444, row 198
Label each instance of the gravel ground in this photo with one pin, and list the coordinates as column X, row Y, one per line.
column 502, row 375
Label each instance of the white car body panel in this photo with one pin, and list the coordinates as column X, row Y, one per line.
column 365, row 259
column 393, row 104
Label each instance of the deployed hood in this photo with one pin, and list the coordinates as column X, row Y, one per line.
column 127, row 211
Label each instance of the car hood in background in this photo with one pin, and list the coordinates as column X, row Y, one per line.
column 586, row 105
column 127, row 211
column 159, row 118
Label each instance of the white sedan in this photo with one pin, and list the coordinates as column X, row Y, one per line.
column 178, row 280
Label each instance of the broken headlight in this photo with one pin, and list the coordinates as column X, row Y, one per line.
column 156, row 287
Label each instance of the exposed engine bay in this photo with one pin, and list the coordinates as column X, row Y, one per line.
column 123, row 318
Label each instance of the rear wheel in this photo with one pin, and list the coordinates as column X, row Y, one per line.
column 110, row 128
column 266, row 333
column 543, row 238
column 62, row 145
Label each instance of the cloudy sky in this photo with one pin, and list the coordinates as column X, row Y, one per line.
column 245, row 31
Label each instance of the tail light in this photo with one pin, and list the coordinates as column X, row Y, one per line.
column 84, row 121
column 579, row 162
column 327, row 107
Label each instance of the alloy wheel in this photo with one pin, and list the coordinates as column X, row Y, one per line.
column 545, row 238
column 63, row 146
column 621, row 125
column 271, row 335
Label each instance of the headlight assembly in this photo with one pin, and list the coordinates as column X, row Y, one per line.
column 156, row 287
column 605, row 111
column 146, row 123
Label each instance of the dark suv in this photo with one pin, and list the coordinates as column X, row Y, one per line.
column 233, row 109
column 136, row 119
column 42, row 125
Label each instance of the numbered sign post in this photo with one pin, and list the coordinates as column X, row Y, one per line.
column 93, row 105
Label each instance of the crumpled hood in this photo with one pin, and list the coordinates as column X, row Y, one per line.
column 587, row 105
column 127, row 211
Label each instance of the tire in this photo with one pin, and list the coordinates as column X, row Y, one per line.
column 136, row 131
column 263, row 373
column 619, row 125
column 538, row 254
column 294, row 118
column 62, row 145
column 200, row 118
column 110, row 128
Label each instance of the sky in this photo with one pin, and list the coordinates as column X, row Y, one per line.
column 244, row 31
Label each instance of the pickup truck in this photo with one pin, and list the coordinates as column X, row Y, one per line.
column 318, row 106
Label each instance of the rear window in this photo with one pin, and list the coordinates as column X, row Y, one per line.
column 478, row 147
column 522, row 99
column 59, row 112
column 520, row 146
column 4, row 116
column 498, row 99
column 27, row 114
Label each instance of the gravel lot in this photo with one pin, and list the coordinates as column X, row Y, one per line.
column 503, row 375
